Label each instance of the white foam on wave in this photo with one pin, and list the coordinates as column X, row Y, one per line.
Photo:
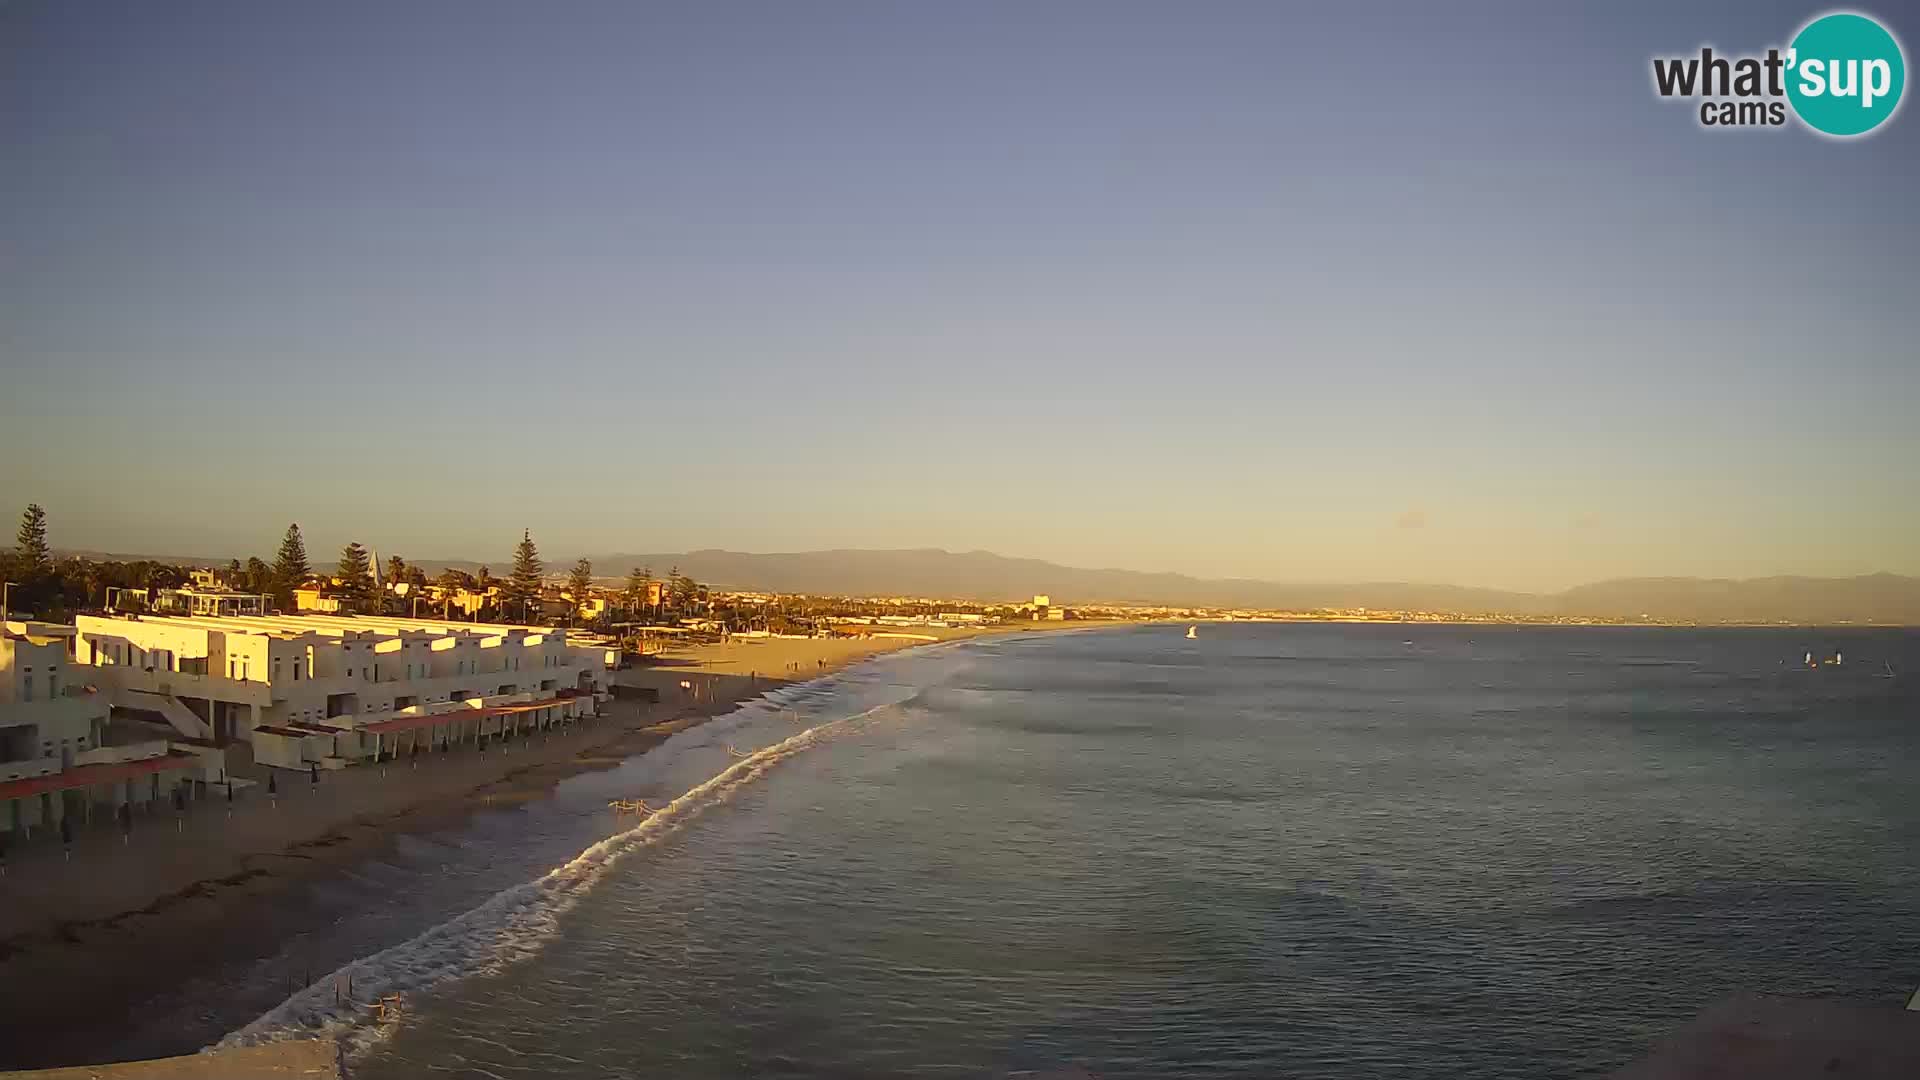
column 510, row 926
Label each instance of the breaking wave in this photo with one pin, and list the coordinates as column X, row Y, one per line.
column 510, row 926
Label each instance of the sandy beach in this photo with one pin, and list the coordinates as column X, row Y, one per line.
column 85, row 941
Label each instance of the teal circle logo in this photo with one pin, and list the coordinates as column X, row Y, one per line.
column 1845, row 73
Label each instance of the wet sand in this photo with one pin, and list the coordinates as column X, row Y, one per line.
column 87, row 942
column 300, row 1060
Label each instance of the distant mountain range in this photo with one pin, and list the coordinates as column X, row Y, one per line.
column 982, row 575
column 985, row 576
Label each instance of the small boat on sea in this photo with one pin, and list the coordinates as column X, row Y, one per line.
column 1192, row 632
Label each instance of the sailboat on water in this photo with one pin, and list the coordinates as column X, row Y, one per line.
column 1192, row 632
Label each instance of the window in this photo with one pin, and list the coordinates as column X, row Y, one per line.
column 349, row 673
column 27, row 685
column 53, row 685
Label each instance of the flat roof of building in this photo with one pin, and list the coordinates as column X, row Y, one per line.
column 88, row 775
column 380, row 626
column 406, row 723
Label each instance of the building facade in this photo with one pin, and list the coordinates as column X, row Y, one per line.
column 324, row 683
column 56, row 758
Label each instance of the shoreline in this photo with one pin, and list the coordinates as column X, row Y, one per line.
column 86, row 944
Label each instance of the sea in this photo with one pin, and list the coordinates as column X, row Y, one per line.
column 1271, row 850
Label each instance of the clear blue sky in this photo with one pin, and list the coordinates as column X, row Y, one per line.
column 1278, row 290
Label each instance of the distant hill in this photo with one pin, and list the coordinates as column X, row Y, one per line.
column 1886, row 598
column 985, row 576
column 982, row 575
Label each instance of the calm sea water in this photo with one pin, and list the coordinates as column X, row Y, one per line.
column 1277, row 850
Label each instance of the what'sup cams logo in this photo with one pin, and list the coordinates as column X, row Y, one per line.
column 1842, row 76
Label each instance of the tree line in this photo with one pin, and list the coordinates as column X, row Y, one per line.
column 56, row 588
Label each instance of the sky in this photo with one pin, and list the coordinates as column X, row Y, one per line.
column 1305, row 292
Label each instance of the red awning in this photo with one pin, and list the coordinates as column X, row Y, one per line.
column 409, row 723
column 89, row 775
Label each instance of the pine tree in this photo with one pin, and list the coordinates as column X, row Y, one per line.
column 32, row 555
column 524, row 584
column 258, row 576
column 686, row 592
column 638, row 580
column 290, row 567
column 682, row 590
column 356, row 570
column 580, row 583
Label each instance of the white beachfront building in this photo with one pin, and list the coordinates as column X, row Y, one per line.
column 55, row 756
column 326, row 691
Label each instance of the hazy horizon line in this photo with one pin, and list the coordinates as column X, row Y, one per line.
column 557, row 565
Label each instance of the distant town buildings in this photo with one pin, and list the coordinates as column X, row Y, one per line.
column 202, row 600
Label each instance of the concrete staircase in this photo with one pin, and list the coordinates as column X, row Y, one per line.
column 182, row 719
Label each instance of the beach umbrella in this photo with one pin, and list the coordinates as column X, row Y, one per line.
column 273, row 784
column 315, row 773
